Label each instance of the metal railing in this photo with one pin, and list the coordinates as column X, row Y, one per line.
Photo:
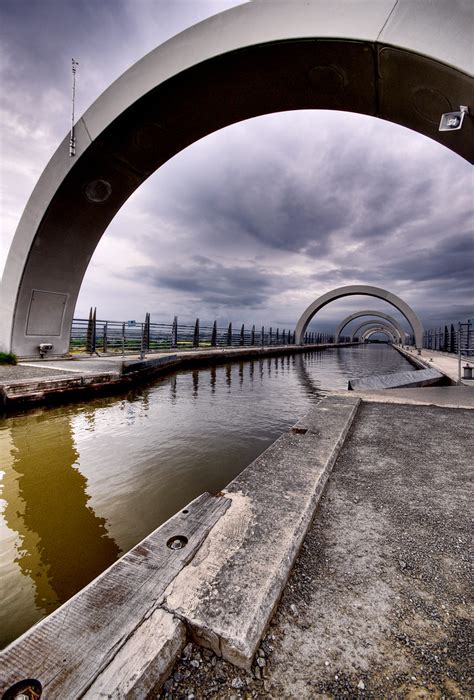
column 94, row 335
column 457, row 339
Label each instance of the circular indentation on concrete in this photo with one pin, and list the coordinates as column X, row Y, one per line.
column 27, row 689
column 148, row 137
column 98, row 190
column 327, row 79
column 430, row 104
column 177, row 542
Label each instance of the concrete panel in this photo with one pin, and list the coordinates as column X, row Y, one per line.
column 415, row 378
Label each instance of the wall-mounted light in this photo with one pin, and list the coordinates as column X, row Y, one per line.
column 452, row 121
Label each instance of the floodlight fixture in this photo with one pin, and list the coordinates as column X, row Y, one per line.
column 452, row 121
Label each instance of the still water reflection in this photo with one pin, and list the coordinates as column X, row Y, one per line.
column 83, row 483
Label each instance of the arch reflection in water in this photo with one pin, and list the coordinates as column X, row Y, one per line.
column 55, row 519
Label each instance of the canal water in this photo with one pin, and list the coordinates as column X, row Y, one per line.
column 83, row 483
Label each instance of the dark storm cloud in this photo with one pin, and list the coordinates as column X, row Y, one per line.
column 281, row 209
column 211, row 283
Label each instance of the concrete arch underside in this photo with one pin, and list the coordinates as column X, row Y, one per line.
column 367, row 312
column 369, row 325
column 360, row 289
column 386, row 59
column 373, row 331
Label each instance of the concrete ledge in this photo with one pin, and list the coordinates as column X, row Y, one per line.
column 120, row 636
column 397, row 380
column 229, row 591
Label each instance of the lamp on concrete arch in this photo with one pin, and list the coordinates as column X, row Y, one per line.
column 452, row 121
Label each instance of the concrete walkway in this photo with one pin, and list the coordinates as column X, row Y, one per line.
column 377, row 605
column 444, row 362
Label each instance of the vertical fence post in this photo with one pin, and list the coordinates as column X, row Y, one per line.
column 123, row 339
column 252, row 339
column 229, row 334
column 214, row 335
column 146, row 335
column 196, row 334
column 242, row 335
column 174, row 333
column 270, row 336
column 277, row 338
column 104, row 338
column 284, row 337
column 263, row 336
column 459, row 350
column 91, row 332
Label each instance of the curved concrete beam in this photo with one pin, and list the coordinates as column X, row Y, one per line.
column 370, row 331
column 386, row 59
column 368, row 325
column 356, row 289
column 368, row 312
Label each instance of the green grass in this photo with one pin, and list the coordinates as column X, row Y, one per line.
column 8, row 358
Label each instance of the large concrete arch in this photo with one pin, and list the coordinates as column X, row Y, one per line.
column 356, row 289
column 373, row 331
column 367, row 312
column 368, row 325
column 384, row 58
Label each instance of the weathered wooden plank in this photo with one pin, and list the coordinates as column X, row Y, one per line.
column 67, row 650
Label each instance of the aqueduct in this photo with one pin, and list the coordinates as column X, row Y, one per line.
column 367, row 312
column 357, row 289
column 386, row 59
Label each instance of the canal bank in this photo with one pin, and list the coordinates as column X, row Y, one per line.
column 376, row 605
column 47, row 382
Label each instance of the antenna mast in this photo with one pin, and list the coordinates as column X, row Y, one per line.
column 72, row 140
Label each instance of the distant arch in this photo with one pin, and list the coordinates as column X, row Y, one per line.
column 356, row 289
column 368, row 325
column 372, row 331
column 367, row 312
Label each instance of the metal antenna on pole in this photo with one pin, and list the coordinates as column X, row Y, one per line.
column 72, row 140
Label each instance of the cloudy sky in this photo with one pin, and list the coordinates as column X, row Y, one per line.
column 252, row 223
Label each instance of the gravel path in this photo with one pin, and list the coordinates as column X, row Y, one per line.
column 12, row 373
column 377, row 605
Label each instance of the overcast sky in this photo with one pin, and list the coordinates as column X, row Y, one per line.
column 254, row 222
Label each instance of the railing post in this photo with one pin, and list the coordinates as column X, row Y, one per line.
column 459, row 350
column 104, row 339
column 270, row 336
column 252, row 340
column 284, row 337
column 277, row 339
column 174, row 333
column 214, row 335
column 229, row 334
column 146, row 335
column 91, row 332
column 242, row 335
column 263, row 336
column 123, row 339
column 196, row 334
